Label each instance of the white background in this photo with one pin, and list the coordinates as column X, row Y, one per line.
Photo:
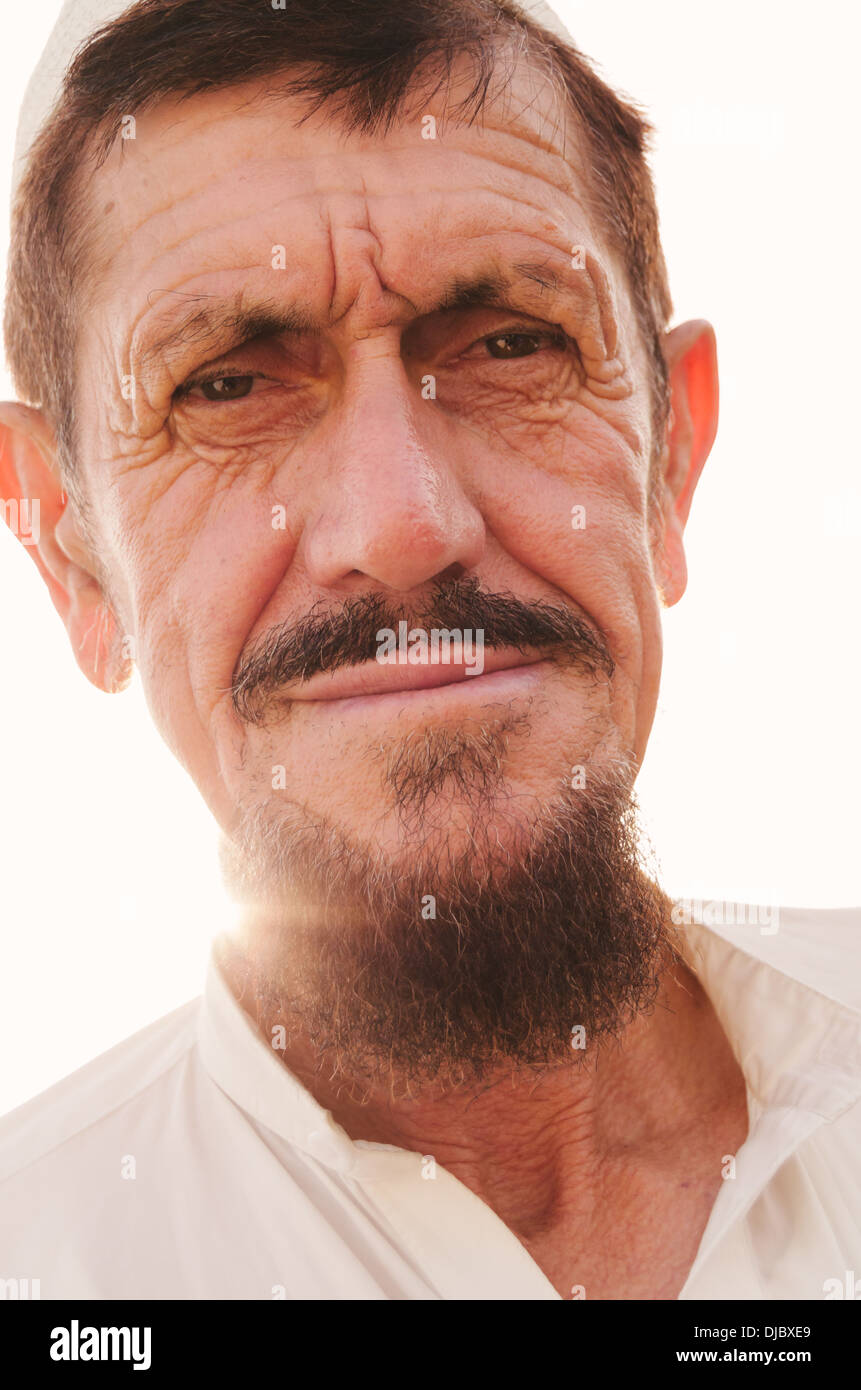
column 109, row 879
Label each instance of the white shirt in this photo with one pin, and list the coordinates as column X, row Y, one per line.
column 189, row 1163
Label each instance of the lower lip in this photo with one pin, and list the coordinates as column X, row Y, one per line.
column 514, row 681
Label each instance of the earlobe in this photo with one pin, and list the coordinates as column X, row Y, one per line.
column 97, row 640
column 32, row 492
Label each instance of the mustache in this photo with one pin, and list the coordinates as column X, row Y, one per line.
column 326, row 639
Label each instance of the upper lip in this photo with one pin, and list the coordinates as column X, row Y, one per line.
column 374, row 678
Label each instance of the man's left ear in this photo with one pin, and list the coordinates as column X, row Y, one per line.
column 691, row 355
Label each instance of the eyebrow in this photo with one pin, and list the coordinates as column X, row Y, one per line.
column 216, row 325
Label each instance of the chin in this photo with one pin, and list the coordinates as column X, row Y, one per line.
column 445, row 829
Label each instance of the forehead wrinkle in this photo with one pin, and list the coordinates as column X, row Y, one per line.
column 318, row 198
column 316, row 195
column 565, row 177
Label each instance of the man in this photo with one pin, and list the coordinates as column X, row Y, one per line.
column 356, row 425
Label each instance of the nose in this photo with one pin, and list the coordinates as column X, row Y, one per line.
column 393, row 507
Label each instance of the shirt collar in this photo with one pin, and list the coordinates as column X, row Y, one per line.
column 239, row 1061
column 798, row 1047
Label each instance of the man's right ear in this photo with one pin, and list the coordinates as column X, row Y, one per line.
column 38, row 512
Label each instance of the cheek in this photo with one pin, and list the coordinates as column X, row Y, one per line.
column 577, row 519
column 202, row 561
column 573, row 509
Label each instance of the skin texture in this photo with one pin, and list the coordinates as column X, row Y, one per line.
column 386, row 491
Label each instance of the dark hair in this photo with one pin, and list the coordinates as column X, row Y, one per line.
column 360, row 56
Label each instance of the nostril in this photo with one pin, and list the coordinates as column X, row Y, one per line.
column 453, row 571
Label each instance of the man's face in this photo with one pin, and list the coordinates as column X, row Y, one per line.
column 378, row 444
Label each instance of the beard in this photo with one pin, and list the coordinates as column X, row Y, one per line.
column 498, row 937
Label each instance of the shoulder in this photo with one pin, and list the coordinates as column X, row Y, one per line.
column 55, row 1119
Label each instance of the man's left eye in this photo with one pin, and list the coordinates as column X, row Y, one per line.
column 519, row 343
column 223, row 388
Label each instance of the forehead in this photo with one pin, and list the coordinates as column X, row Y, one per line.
column 198, row 201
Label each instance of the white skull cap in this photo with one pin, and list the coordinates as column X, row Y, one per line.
column 78, row 19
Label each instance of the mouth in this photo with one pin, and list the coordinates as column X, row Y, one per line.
column 505, row 671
